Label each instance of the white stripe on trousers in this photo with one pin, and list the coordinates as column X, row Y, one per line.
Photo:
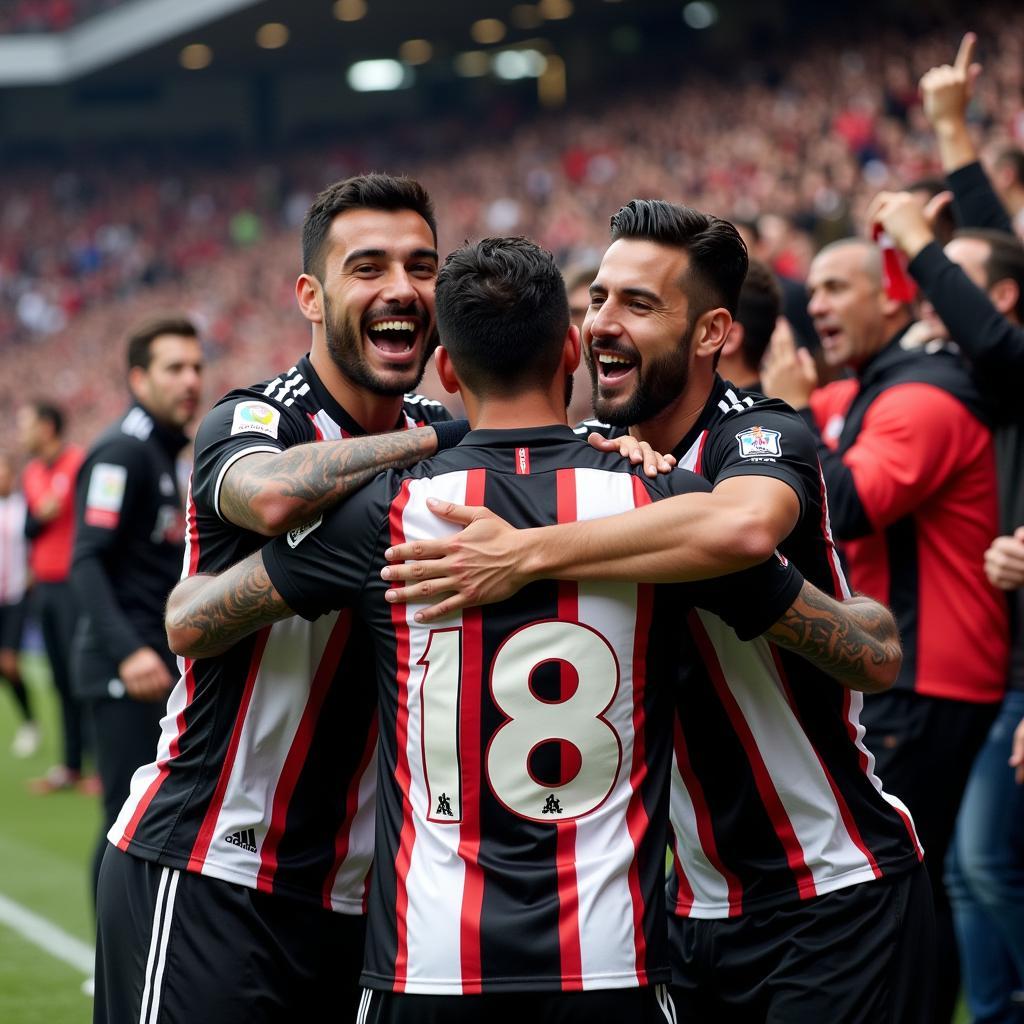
column 665, row 1004
column 162, row 911
column 363, row 1014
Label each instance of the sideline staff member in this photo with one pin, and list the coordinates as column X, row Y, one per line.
column 129, row 545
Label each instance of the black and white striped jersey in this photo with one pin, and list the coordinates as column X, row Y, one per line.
column 525, row 746
column 265, row 770
column 774, row 795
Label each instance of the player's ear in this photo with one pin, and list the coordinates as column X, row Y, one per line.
column 733, row 340
column 572, row 348
column 445, row 371
column 711, row 332
column 137, row 381
column 308, row 294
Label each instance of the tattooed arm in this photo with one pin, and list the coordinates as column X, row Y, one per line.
column 206, row 615
column 270, row 494
column 854, row 641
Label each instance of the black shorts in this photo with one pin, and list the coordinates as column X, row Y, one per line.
column 174, row 946
column 12, row 624
column 860, row 955
column 648, row 1005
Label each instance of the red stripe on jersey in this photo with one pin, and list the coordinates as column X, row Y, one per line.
column 190, row 690
column 862, row 760
column 844, row 808
column 205, row 837
column 698, row 463
column 301, row 742
column 636, row 813
column 684, row 895
column 403, row 775
column 343, row 838
column 705, row 829
column 839, row 590
column 470, row 756
column 316, row 426
column 565, row 831
column 762, row 778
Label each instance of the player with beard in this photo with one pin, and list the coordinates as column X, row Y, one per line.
column 233, row 886
column 798, row 893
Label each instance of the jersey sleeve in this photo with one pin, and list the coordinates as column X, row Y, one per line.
column 774, row 443
column 324, row 565
column 240, row 424
column 750, row 601
column 909, row 446
column 111, row 486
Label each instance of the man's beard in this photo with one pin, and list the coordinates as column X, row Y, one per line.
column 660, row 382
column 345, row 347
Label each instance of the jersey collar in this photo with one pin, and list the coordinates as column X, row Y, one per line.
column 330, row 405
column 707, row 416
column 531, row 437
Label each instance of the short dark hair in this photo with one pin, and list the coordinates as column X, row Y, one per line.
column 503, row 314
column 758, row 309
column 142, row 336
column 718, row 255
column 1012, row 156
column 363, row 192
column 50, row 413
column 1005, row 260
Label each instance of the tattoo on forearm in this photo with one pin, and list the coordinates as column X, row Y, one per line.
column 233, row 605
column 856, row 641
column 315, row 476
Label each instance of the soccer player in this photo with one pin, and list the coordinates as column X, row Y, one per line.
column 246, row 842
column 13, row 581
column 49, row 485
column 129, row 541
column 525, row 748
column 783, row 833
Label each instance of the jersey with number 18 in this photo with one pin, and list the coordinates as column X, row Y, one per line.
column 525, row 746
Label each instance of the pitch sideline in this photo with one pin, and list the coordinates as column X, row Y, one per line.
column 47, row 936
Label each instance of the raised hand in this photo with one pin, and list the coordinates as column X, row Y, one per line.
column 947, row 89
column 788, row 372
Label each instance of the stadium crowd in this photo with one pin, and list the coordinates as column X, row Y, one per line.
column 799, row 148
column 25, row 16
column 802, row 159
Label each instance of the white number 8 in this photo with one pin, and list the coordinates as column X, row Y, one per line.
column 531, row 721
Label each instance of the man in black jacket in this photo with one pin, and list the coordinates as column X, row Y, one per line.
column 129, row 545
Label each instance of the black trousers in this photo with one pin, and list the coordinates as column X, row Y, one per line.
column 55, row 608
column 176, row 947
column 125, row 732
column 648, row 1005
column 924, row 748
column 859, row 955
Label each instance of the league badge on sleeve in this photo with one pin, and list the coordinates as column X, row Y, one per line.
column 105, row 495
column 255, row 418
column 760, row 443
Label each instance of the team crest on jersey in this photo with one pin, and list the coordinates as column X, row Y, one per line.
column 255, row 418
column 760, row 443
column 300, row 533
column 105, row 496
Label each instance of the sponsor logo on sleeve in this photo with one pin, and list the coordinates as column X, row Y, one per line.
column 760, row 443
column 255, row 418
column 300, row 533
column 105, row 495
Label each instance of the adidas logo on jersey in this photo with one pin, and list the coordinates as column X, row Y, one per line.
column 246, row 839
